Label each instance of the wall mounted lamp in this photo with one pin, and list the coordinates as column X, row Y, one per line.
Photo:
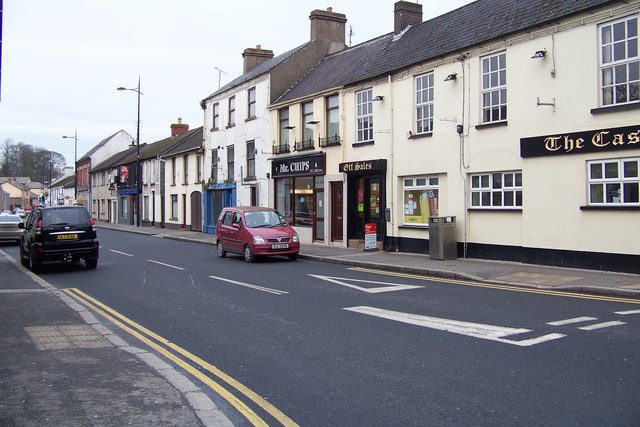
column 378, row 98
column 289, row 127
column 451, row 77
column 313, row 122
column 539, row 54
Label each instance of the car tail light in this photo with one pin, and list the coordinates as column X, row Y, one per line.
column 39, row 226
column 93, row 224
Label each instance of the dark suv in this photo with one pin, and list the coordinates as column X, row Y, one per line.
column 59, row 233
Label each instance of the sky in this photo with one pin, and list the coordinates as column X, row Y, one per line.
column 63, row 60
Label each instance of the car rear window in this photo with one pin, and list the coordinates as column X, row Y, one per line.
column 65, row 216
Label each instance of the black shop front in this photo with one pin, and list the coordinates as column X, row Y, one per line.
column 366, row 198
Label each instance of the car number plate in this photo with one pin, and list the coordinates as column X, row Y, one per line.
column 67, row 236
column 280, row 246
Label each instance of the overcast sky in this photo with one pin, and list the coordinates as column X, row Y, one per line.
column 62, row 60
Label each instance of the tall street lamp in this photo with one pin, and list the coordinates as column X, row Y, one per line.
column 138, row 174
column 75, row 163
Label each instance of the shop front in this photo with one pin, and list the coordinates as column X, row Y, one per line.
column 299, row 193
column 366, row 198
column 217, row 197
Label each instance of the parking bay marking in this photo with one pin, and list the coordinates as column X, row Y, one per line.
column 389, row 287
column 248, row 285
column 475, row 330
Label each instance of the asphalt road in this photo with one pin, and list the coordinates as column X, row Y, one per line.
column 330, row 345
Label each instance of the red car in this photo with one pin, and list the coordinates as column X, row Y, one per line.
column 255, row 231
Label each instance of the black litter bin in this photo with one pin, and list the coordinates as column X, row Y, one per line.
column 442, row 238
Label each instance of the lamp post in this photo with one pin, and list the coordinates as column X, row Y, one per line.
column 138, row 174
column 75, row 163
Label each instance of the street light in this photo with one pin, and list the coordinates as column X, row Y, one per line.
column 138, row 174
column 75, row 165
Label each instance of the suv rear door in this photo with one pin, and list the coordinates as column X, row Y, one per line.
column 64, row 228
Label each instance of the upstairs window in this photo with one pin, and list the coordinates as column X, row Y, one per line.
column 230, row 163
column 307, row 121
column 214, row 165
column 251, row 159
column 333, row 116
column 185, row 167
column 284, row 129
column 232, row 111
column 619, row 62
column 494, row 88
column 216, row 116
column 251, row 99
column 364, row 115
column 424, row 103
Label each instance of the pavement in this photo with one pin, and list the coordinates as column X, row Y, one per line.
column 60, row 366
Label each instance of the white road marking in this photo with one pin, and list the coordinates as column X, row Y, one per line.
column 601, row 325
column 166, row 265
column 624, row 313
column 476, row 330
column 121, row 253
column 570, row 321
column 389, row 287
column 248, row 285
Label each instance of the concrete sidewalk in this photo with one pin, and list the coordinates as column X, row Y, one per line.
column 498, row 272
column 60, row 366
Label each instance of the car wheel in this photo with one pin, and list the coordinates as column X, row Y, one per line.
column 293, row 257
column 91, row 263
column 221, row 252
column 248, row 255
column 24, row 258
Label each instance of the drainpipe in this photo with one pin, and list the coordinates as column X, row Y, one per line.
column 394, row 182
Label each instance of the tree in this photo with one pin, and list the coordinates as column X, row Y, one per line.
column 20, row 159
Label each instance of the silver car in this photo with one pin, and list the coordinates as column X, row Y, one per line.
column 9, row 227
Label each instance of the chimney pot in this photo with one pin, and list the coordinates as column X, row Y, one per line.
column 328, row 25
column 255, row 57
column 179, row 128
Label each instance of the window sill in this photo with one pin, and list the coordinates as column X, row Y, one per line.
column 610, row 208
column 230, row 126
column 481, row 209
column 215, row 129
column 413, row 227
column 616, row 108
column 248, row 119
column 421, row 135
column 360, row 144
column 491, row 125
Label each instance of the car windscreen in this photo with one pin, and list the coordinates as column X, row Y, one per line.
column 65, row 216
column 259, row 219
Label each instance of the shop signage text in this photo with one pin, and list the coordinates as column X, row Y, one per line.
column 363, row 166
column 581, row 142
column 299, row 166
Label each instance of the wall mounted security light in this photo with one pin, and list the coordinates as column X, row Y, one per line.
column 378, row 98
column 451, row 77
column 539, row 54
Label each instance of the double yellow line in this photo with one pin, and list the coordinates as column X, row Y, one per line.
column 161, row 344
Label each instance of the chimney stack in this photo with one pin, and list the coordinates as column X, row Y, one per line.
column 328, row 25
column 178, row 128
column 255, row 57
column 406, row 13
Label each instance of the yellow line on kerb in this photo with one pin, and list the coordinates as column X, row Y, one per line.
column 123, row 322
column 500, row 287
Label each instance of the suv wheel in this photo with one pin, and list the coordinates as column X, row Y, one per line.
column 248, row 255
column 34, row 266
column 221, row 252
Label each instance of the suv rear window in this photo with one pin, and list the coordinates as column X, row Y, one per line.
column 65, row 216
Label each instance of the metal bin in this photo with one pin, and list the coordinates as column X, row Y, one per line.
column 442, row 238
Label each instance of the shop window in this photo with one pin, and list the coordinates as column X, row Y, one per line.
column 614, row 182
column 294, row 200
column 619, row 62
column 497, row 190
column 420, row 199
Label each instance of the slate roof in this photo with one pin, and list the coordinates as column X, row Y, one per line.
column 451, row 33
column 263, row 68
column 190, row 142
column 100, row 144
column 116, row 159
